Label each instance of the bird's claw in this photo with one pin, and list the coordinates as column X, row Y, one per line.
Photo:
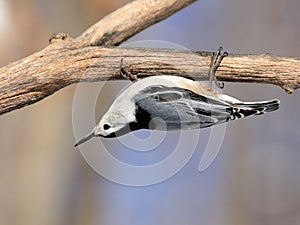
column 215, row 62
column 126, row 74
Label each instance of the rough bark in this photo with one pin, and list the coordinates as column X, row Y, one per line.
column 91, row 57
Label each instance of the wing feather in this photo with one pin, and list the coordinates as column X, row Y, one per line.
column 180, row 108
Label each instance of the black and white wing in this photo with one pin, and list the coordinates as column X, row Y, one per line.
column 179, row 108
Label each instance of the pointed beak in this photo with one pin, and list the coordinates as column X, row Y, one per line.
column 86, row 138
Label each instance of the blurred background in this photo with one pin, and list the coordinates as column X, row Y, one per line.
column 254, row 180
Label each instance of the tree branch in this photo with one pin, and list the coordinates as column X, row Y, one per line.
column 66, row 61
column 130, row 20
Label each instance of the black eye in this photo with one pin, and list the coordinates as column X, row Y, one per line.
column 106, row 126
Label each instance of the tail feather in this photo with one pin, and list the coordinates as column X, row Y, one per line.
column 262, row 107
column 243, row 109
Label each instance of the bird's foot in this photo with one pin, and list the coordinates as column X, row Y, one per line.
column 216, row 60
column 126, row 74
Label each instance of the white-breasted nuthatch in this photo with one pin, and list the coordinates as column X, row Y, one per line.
column 180, row 102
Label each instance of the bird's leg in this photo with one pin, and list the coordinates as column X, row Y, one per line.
column 215, row 62
column 126, row 74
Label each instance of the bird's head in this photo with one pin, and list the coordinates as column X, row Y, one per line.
column 111, row 125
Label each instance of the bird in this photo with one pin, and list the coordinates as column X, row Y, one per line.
column 169, row 103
